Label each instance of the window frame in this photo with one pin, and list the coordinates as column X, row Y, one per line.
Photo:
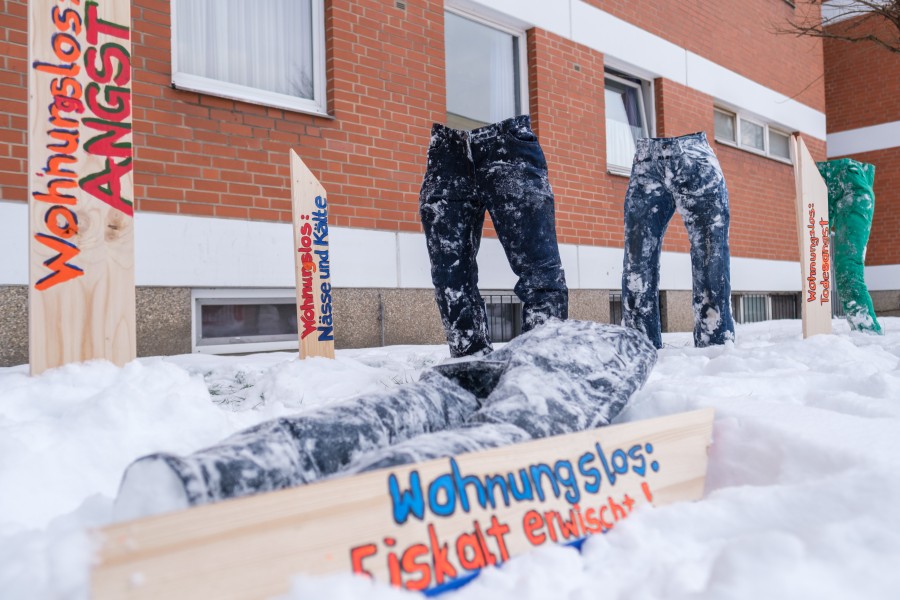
column 205, row 296
column 521, row 50
column 317, row 106
column 736, row 143
column 646, row 93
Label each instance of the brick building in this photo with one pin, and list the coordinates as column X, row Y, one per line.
column 862, row 95
column 354, row 86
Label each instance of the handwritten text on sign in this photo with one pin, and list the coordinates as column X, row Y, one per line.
column 561, row 502
column 823, row 237
column 92, row 106
column 314, row 258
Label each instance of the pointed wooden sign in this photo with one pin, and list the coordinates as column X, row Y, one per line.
column 814, row 236
column 417, row 526
column 315, row 319
column 81, row 289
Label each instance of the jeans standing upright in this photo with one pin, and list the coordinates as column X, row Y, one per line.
column 680, row 173
column 499, row 168
column 851, row 207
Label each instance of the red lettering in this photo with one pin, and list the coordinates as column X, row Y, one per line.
column 412, row 567
column 106, row 143
column 531, row 522
column 442, row 567
column 119, row 96
column 498, row 530
column 111, row 178
column 103, row 72
column 66, row 20
column 359, row 554
column 96, row 26
column 61, row 221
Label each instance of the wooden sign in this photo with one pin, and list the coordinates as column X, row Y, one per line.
column 81, row 294
column 814, row 235
column 417, row 526
column 315, row 319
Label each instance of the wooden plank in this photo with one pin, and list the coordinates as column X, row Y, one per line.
column 81, row 221
column 315, row 320
column 251, row 547
column 813, row 234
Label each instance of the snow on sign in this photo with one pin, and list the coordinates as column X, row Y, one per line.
column 315, row 318
column 417, row 526
column 814, row 234
column 81, row 290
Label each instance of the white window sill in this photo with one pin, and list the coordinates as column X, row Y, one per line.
column 618, row 171
column 223, row 89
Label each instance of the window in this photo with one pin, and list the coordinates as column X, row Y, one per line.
column 504, row 316
column 626, row 120
column 229, row 321
column 486, row 72
column 751, row 134
column 269, row 52
column 752, row 308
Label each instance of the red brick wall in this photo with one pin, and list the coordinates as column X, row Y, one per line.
column 739, row 35
column 13, row 100
column 760, row 190
column 862, row 80
column 567, row 111
column 200, row 154
column 203, row 155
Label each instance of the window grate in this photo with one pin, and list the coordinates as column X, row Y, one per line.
column 753, row 308
column 504, row 316
column 615, row 308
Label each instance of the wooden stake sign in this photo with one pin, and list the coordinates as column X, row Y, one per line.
column 814, row 235
column 81, row 294
column 417, row 526
column 313, row 268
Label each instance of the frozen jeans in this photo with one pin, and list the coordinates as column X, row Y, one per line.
column 561, row 377
column 851, row 205
column 677, row 173
column 499, row 168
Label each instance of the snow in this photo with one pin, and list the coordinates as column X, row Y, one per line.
column 802, row 498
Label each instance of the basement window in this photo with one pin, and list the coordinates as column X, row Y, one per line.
column 228, row 321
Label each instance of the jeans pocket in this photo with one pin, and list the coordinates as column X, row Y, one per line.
column 522, row 133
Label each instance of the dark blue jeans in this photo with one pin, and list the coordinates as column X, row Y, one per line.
column 679, row 173
column 499, row 168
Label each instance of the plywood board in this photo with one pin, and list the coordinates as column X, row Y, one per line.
column 81, row 211
column 814, row 237
column 416, row 526
column 315, row 319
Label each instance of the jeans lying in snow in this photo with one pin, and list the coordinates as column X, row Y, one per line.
column 562, row 377
column 851, row 205
column 677, row 173
column 501, row 168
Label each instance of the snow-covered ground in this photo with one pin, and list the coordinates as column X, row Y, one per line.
column 802, row 500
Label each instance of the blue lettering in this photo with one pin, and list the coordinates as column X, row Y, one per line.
column 542, row 469
column 406, row 501
column 444, row 482
column 462, row 482
column 592, row 487
column 573, row 494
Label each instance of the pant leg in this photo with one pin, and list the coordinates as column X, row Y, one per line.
column 851, row 206
column 295, row 450
column 452, row 215
column 648, row 208
column 512, row 174
column 701, row 198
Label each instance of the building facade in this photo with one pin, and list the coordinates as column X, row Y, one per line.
column 862, row 96
column 224, row 90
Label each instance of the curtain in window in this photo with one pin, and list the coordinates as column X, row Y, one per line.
column 623, row 123
column 265, row 44
column 481, row 73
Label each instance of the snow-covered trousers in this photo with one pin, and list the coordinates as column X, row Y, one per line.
column 499, row 168
column 561, row 377
column 851, row 206
column 680, row 173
